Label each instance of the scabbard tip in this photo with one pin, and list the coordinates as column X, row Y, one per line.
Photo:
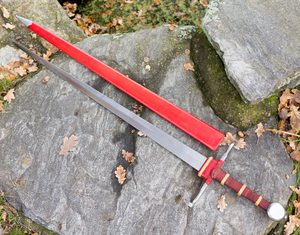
column 25, row 21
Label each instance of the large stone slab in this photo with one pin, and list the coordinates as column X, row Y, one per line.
column 258, row 42
column 78, row 193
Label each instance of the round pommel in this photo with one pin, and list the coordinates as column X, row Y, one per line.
column 276, row 211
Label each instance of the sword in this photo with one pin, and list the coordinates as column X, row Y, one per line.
column 196, row 128
column 208, row 168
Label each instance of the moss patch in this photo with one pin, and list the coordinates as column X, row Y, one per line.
column 220, row 93
column 119, row 16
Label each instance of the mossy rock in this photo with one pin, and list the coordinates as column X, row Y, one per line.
column 220, row 93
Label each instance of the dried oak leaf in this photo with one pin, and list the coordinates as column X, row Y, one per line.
column 290, row 226
column 189, row 67
column 172, row 26
column 222, row 204
column 10, row 95
column 8, row 26
column 120, row 173
column 1, row 106
column 228, row 139
column 46, row 79
column 240, row 144
column 295, row 155
column 294, row 115
column 68, row 145
column 5, row 12
column 296, row 190
column 21, row 71
column 284, row 99
column 204, row 3
column 128, row 156
column 32, row 68
column 259, row 130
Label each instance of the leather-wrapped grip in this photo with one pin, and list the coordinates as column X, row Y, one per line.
column 241, row 189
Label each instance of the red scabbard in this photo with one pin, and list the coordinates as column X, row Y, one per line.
column 198, row 129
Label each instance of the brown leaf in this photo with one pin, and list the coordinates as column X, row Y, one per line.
column 5, row 12
column 295, row 117
column 290, row 226
column 189, row 66
column 172, row 26
column 296, row 190
column 46, row 79
column 259, row 130
column 228, row 139
column 1, row 106
column 284, row 99
column 8, row 26
column 120, row 173
column 222, row 204
column 128, row 156
column 10, row 95
column 240, row 144
column 21, row 71
column 295, row 155
column 4, row 216
column 68, row 145
column 32, row 68
column 204, row 3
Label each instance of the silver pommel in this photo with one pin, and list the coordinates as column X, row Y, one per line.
column 276, row 211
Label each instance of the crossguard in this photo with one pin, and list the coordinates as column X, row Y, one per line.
column 211, row 170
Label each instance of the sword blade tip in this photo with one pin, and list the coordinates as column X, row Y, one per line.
column 25, row 21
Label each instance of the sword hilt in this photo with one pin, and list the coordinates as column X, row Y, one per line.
column 212, row 171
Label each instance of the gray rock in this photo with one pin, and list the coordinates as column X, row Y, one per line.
column 9, row 54
column 48, row 13
column 258, row 42
column 79, row 194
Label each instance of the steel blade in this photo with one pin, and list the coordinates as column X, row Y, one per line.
column 176, row 147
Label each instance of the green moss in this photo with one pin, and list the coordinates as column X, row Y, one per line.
column 5, row 85
column 220, row 93
column 143, row 13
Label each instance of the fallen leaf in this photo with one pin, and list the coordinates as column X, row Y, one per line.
column 259, row 130
column 128, row 156
column 120, row 173
column 222, row 204
column 8, row 26
column 295, row 155
column 156, row 2
column 189, row 67
column 21, row 71
column 5, row 12
column 32, row 68
column 290, row 226
column 147, row 67
column 139, row 133
column 294, row 114
column 284, row 99
column 1, row 106
column 172, row 27
column 10, row 95
column 296, row 190
column 240, row 144
column 241, row 134
column 46, row 79
column 68, row 145
column 204, row 3
column 4, row 216
column 228, row 139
